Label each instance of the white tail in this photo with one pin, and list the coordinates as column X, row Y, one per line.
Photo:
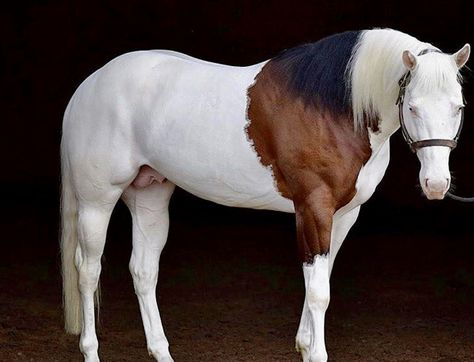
column 71, row 297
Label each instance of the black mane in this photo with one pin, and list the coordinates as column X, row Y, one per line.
column 315, row 72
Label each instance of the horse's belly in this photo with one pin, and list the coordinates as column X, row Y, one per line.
column 237, row 194
column 225, row 181
column 206, row 152
column 223, row 171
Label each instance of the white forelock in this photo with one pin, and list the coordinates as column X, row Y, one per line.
column 436, row 71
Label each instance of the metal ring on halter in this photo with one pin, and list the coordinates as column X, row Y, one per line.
column 415, row 145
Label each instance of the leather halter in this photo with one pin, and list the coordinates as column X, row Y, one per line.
column 415, row 145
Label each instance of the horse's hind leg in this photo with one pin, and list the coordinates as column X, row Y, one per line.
column 149, row 208
column 93, row 219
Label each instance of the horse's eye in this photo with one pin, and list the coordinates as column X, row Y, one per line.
column 460, row 108
column 412, row 110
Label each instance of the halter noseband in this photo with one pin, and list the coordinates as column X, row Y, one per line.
column 415, row 145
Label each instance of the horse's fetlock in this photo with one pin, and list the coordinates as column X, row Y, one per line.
column 159, row 349
column 89, row 346
column 319, row 357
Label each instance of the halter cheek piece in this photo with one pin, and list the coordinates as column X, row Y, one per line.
column 415, row 145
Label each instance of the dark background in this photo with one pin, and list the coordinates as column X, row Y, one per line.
column 49, row 47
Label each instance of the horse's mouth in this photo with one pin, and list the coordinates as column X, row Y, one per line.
column 434, row 195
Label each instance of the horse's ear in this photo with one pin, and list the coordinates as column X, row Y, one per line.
column 409, row 59
column 461, row 56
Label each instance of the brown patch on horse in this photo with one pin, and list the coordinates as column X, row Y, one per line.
column 315, row 156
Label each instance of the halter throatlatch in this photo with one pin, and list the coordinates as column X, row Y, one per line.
column 415, row 145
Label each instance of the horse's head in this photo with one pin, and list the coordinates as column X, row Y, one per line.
column 431, row 110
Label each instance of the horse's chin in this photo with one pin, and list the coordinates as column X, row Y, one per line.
column 435, row 195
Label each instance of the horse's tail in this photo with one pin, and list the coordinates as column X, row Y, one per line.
column 69, row 239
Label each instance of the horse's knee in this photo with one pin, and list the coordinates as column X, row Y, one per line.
column 317, row 283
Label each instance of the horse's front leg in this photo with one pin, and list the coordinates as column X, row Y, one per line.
column 314, row 223
column 310, row 336
column 340, row 227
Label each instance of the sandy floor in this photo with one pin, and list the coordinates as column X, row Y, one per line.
column 234, row 293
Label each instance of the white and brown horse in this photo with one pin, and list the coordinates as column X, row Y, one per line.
column 305, row 132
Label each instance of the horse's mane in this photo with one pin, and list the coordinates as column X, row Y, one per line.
column 315, row 72
column 374, row 71
column 356, row 73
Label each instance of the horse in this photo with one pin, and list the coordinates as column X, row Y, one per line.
column 306, row 132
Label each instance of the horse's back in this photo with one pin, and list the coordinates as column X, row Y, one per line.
column 183, row 116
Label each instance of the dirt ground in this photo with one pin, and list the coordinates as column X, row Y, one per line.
column 233, row 292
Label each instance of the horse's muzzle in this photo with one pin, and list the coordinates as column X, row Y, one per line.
column 435, row 189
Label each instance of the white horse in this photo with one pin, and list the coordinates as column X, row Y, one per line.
column 306, row 132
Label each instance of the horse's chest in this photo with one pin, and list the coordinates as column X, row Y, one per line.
column 371, row 174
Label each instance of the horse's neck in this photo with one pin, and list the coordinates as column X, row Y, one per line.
column 379, row 138
column 388, row 125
